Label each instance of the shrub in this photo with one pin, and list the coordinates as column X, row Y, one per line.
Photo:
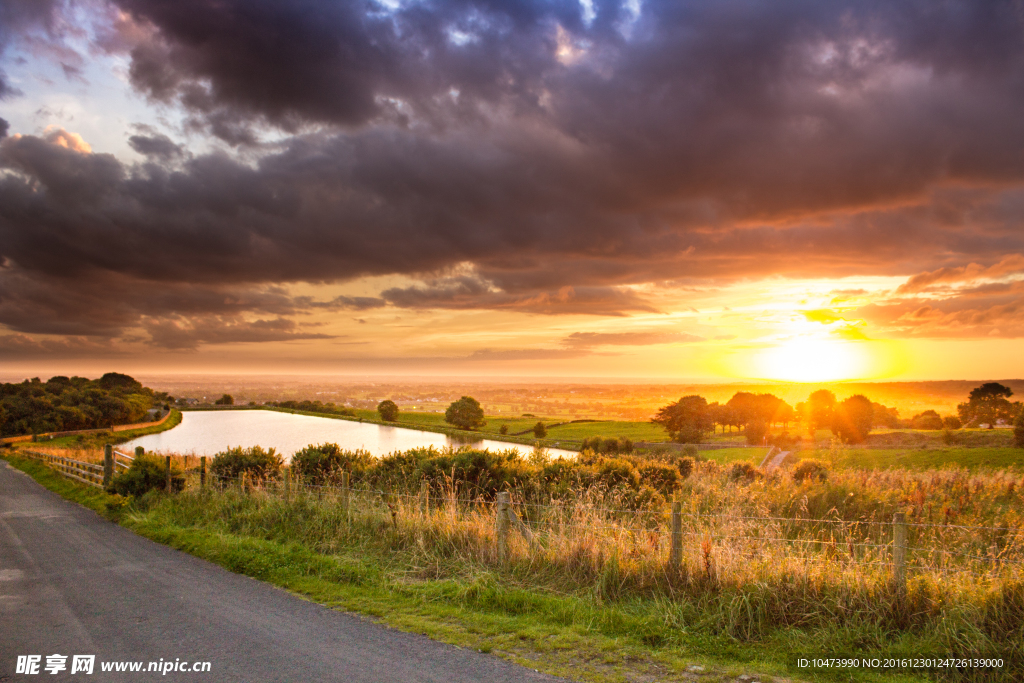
column 1018, row 430
column 503, row 429
column 809, row 470
column 743, row 471
column 539, row 430
column 952, row 422
column 465, row 413
column 685, row 466
column 755, row 431
column 254, row 461
column 784, row 440
column 146, row 473
column 660, row 476
column 614, row 472
column 388, row 410
column 929, row 419
column 324, row 463
column 225, row 400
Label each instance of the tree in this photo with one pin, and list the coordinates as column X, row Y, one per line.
column 388, row 410
column 539, row 430
column 1018, row 430
column 820, row 406
column 929, row 419
column 225, row 400
column 885, row 417
column 952, row 422
column 687, row 420
column 755, row 431
column 987, row 404
column 465, row 413
column 852, row 419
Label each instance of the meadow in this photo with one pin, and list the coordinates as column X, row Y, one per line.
column 770, row 564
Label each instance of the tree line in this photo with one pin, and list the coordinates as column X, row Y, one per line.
column 692, row 418
column 63, row 404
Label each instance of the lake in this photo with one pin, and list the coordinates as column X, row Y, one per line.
column 207, row 433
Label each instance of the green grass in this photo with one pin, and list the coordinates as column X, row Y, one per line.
column 99, row 439
column 582, row 635
column 923, row 458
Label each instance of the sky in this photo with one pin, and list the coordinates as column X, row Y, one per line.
column 743, row 189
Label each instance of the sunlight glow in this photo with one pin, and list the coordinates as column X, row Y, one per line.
column 810, row 359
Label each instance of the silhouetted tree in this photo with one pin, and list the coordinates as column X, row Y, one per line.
column 687, row 420
column 465, row 413
column 225, row 400
column 388, row 410
column 987, row 404
column 929, row 419
column 851, row 419
column 820, row 407
column 539, row 430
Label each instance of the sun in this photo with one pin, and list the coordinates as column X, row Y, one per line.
column 813, row 359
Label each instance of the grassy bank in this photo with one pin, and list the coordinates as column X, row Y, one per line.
column 599, row 604
column 583, row 637
column 99, row 439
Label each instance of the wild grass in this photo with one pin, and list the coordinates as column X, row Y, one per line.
column 759, row 555
column 769, row 564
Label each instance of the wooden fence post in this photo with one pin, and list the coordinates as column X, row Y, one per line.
column 139, row 451
column 168, row 474
column 287, row 484
column 108, row 465
column 675, row 558
column 899, row 552
column 202, row 472
column 501, row 525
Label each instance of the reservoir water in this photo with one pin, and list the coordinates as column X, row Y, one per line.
column 207, row 433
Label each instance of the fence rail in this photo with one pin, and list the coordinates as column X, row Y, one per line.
column 680, row 534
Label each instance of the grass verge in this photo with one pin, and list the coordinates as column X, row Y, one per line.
column 580, row 636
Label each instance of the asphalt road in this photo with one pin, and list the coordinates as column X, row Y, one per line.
column 73, row 583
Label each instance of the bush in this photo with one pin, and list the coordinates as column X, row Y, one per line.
column 465, row 413
column 388, row 410
column 785, row 440
column 743, row 471
column 609, row 445
column 686, row 465
column 929, row 419
column 755, row 432
column 952, row 422
column 146, row 473
column 323, row 463
column 225, row 400
column 809, row 470
column 255, row 462
column 503, row 429
column 539, row 430
column 660, row 476
column 1018, row 430
column 614, row 472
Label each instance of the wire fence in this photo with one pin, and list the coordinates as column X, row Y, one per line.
column 676, row 535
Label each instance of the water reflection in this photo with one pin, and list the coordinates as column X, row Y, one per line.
column 206, row 433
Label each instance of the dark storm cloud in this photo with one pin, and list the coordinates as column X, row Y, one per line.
column 553, row 160
column 159, row 146
column 4, row 127
column 188, row 333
